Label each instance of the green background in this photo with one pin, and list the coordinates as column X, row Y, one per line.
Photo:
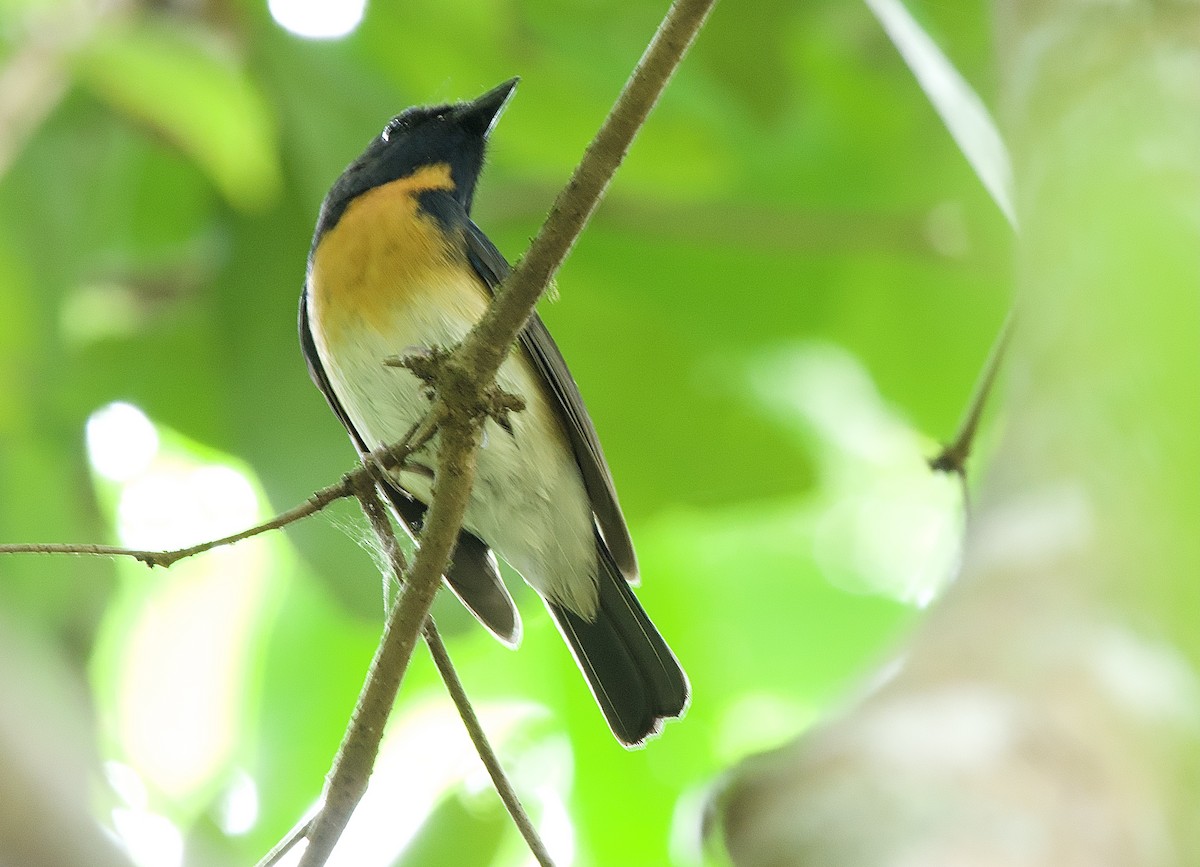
column 778, row 310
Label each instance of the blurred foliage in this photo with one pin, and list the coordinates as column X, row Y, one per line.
column 164, row 166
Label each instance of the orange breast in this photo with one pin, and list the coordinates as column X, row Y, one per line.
column 382, row 250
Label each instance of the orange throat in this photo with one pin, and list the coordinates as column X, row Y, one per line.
column 382, row 251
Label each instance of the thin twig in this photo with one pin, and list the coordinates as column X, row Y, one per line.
column 463, row 384
column 395, row 456
column 504, row 787
column 386, row 458
column 377, row 516
column 347, row 780
column 489, row 342
column 953, row 458
column 318, row 501
column 294, row 836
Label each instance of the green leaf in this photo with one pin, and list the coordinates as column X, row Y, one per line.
column 187, row 87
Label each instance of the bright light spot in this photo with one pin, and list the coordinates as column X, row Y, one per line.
column 688, row 824
column 1030, row 530
column 181, row 503
column 1147, row 677
column 758, row 722
column 546, row 769
column 555, row 827
column 238, row 808
column 830, row 393
column 292, row 857
column 547, row 763
column 127, row 784
column 174, row 655
column 318, row 19
column 957, row 729
column 886, row 523
column 897, row 535
column 543, row 768
column 98, row 312
column 121, row 441
column 425, row 754
column 181, row 656
column 226, row 496
column 150, row 839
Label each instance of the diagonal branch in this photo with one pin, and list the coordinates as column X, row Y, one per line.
column 504, row 787
column 461, row 389
column 377, row 515
column 347, row 781
column 488, row 343
column 953, row 458
column 280, row 850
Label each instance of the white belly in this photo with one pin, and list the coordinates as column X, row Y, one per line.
column 528, row 501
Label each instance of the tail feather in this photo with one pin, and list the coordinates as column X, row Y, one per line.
column 630, row 669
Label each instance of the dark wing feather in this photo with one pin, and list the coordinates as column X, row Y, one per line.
column 492, row 267
column 632, row 673
column 473, row 574
column 317, row 374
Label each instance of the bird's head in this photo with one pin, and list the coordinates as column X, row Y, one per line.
column 423, row 139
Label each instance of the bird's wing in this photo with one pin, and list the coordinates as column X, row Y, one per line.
column 317, row 374
column 473, row 575
column 492, row 268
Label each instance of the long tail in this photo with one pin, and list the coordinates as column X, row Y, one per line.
column 632, row 673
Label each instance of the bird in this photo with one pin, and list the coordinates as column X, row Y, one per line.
column 398, row 267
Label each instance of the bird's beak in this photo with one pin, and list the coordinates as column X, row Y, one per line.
column 481, row 114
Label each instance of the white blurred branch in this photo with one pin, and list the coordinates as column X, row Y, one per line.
column 1047, row 711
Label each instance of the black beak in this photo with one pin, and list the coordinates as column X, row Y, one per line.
column 480, row 115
